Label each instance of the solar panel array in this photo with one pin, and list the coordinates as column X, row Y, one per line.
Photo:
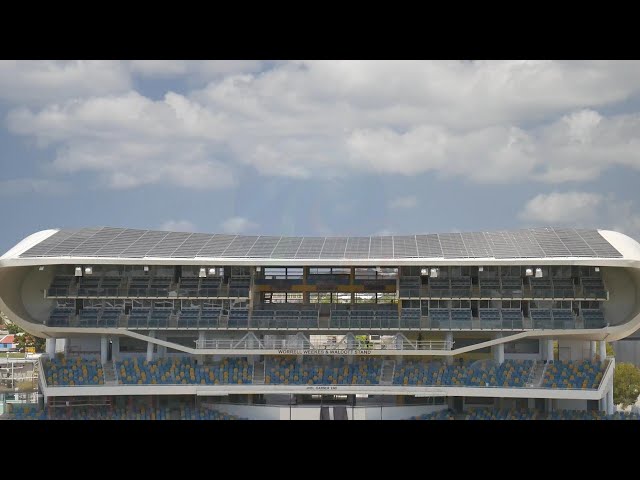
column 129, row 243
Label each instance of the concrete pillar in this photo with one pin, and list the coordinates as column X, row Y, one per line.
column 104, row 346
column 201, row 338
column 548, row 350
column 603, row 350
column 115, row 349
column 449, row 338
column 498, row 351
column 150, row 347
column 51, row 347
column 602, row 404
column 610, row 406
column 594, row 349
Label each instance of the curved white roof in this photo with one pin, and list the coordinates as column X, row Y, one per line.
column 132, row 244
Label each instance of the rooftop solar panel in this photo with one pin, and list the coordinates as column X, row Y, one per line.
column 545, row 242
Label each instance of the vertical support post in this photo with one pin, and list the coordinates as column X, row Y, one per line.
column 104, row 345
column 115, row 349
column 603, row 350
column 498, row 351
column 594, row 349
column 150, row 347
column 50, row 345
column 548, row 349
column 610, row 406
column 449, row 339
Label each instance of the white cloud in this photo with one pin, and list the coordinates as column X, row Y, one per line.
column 178, row 226
column 404, row 202
column 557, row 208
column 202, row 69
column 472, row 120
column 238, row 225
column 129, row 140
column 583, row 209
column 40, row 81
column 18, row 186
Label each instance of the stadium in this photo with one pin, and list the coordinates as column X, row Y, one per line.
column 143, row 324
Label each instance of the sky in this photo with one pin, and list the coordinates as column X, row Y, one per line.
column 319, row 147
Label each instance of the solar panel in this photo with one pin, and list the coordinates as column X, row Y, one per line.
column 405, row 246
column 287, row 247
column 357, row 247
column 334, row 247
column 310, row 247
column 216, row 245
column 598, row 244
column 452, row 245
column 143, row 244
column 240, row 246
column 574, row 242
column 429, row 246
column 381, row 247
column 192, row 245
column 130, row 243
column 168, row 245
column 120, row 243
column 263, row 247
column 551, row 245
column 526, row 244
column 43, row 247
column 501, row 245
column 70, row 243
column 476, row 245
column 90, row 247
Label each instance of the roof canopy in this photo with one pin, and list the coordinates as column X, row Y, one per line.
column 127, row 243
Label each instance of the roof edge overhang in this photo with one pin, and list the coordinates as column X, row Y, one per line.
column 354, row 262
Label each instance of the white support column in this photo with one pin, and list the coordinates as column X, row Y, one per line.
column 603, row 350
column 610, row 406
column 498, row 351
column 104, row 345
column 51, row 347
column 603, row 404
column 449, row 339
column 548, row 350
column 115, row 349
column 594, row 349
column 150, row 347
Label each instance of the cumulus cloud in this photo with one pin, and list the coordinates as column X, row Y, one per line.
column 178, row 226
column 567, row 207
column 238, row 225
column 129, row 140
column 207, row 69
column 409, row 201
column 583, row 209
column 472, row 120
column 41, row 82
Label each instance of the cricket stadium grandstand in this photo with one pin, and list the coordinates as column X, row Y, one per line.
column 149, row 324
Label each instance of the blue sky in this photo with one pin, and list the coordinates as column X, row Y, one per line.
column 319, row 148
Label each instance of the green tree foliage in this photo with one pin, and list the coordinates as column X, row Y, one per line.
column 24, row 339
column 626, row 384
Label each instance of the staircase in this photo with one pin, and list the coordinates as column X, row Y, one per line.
column 259, row 369
column 109, row 370
column 536, row 375
column 387, row 371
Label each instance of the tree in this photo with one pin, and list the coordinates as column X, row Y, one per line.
column 24, row 339
column 626, row 384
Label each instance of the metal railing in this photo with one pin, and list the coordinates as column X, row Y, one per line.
column 305, row 344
